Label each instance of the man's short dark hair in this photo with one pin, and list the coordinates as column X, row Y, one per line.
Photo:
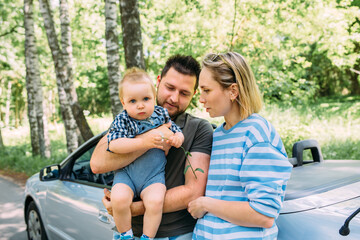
column 186, row 65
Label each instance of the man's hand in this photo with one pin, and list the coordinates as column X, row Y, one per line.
column 137, row 208
column 106, row 200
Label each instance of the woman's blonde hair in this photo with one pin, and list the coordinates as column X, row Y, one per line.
column 229, row 68
column 137, row 75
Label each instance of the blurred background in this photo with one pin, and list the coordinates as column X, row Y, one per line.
column 61, row 60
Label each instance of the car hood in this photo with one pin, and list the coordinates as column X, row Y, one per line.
column 322, row 184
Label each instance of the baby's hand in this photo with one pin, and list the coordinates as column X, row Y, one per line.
column 176, row 140
column 153, row 140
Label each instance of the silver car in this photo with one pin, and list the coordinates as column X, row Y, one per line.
column 64, row 201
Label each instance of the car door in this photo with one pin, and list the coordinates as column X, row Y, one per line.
column 74, row 207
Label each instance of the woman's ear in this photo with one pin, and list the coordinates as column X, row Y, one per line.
column 234, row 91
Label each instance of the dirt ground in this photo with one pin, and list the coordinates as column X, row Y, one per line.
column 18, row 178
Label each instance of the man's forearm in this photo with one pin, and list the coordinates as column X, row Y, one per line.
column 137, row 208
column 178, row 198
column 103, row 161
column 175, row 199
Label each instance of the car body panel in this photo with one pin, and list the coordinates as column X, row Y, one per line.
column 319, row 198
column 67, row 201
column 322, row 176
column 320, row 223
column 70, row 210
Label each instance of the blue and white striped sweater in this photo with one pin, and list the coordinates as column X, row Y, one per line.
column 248, row 163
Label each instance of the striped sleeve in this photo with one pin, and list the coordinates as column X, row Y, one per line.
column 264, row 174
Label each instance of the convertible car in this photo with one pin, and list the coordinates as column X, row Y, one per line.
column 322, row 200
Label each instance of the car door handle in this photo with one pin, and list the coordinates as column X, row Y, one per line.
column 104, row 216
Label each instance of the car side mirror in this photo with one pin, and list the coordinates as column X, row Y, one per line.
column 50, row 173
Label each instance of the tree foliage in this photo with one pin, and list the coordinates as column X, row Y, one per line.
column 298, row 50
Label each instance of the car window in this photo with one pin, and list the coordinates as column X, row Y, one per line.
column 81, row 171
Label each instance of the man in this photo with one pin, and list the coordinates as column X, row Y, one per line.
column 175, row 88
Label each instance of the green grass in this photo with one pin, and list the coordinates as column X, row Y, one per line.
column 17, row 156
column 333, row 122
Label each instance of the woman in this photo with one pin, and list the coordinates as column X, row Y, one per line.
column 249, row 168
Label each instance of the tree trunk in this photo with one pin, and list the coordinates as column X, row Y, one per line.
column 1, row 85
column 30, row 75
column 68, row 82
column 40, row 141
column 61, row 74
column 354, row 82
column 1, row 140
column 355, row 75
column 131, row 32
column 112, row 50
column 8, row 102
column 16, row 113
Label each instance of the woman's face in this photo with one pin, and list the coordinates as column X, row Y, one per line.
column 215, row 99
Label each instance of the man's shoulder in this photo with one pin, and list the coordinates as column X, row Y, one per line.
column 193, row 119
column 199, row 132
column 198, row 123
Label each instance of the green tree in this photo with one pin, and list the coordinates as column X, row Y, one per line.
column 12, row 68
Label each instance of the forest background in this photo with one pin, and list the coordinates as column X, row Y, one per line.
column 60, row 62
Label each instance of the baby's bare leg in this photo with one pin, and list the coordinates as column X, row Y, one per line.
column 121, row 199
column 153, row 198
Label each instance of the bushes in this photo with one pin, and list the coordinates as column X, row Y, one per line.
column 333, row 122
column 18, row 158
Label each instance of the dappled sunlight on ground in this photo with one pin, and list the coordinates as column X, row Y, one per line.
column 12, row 223
column 10, row 210
column 11, row 220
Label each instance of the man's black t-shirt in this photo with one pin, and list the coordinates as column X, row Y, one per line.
column 198, row 138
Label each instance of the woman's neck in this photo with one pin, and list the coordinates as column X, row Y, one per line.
column 233, row 117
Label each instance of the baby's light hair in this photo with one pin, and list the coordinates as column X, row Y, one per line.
column 135, row 75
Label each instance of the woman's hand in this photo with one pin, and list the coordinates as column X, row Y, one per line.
column 197, row 207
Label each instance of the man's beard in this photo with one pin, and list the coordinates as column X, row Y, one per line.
column 177, row 113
